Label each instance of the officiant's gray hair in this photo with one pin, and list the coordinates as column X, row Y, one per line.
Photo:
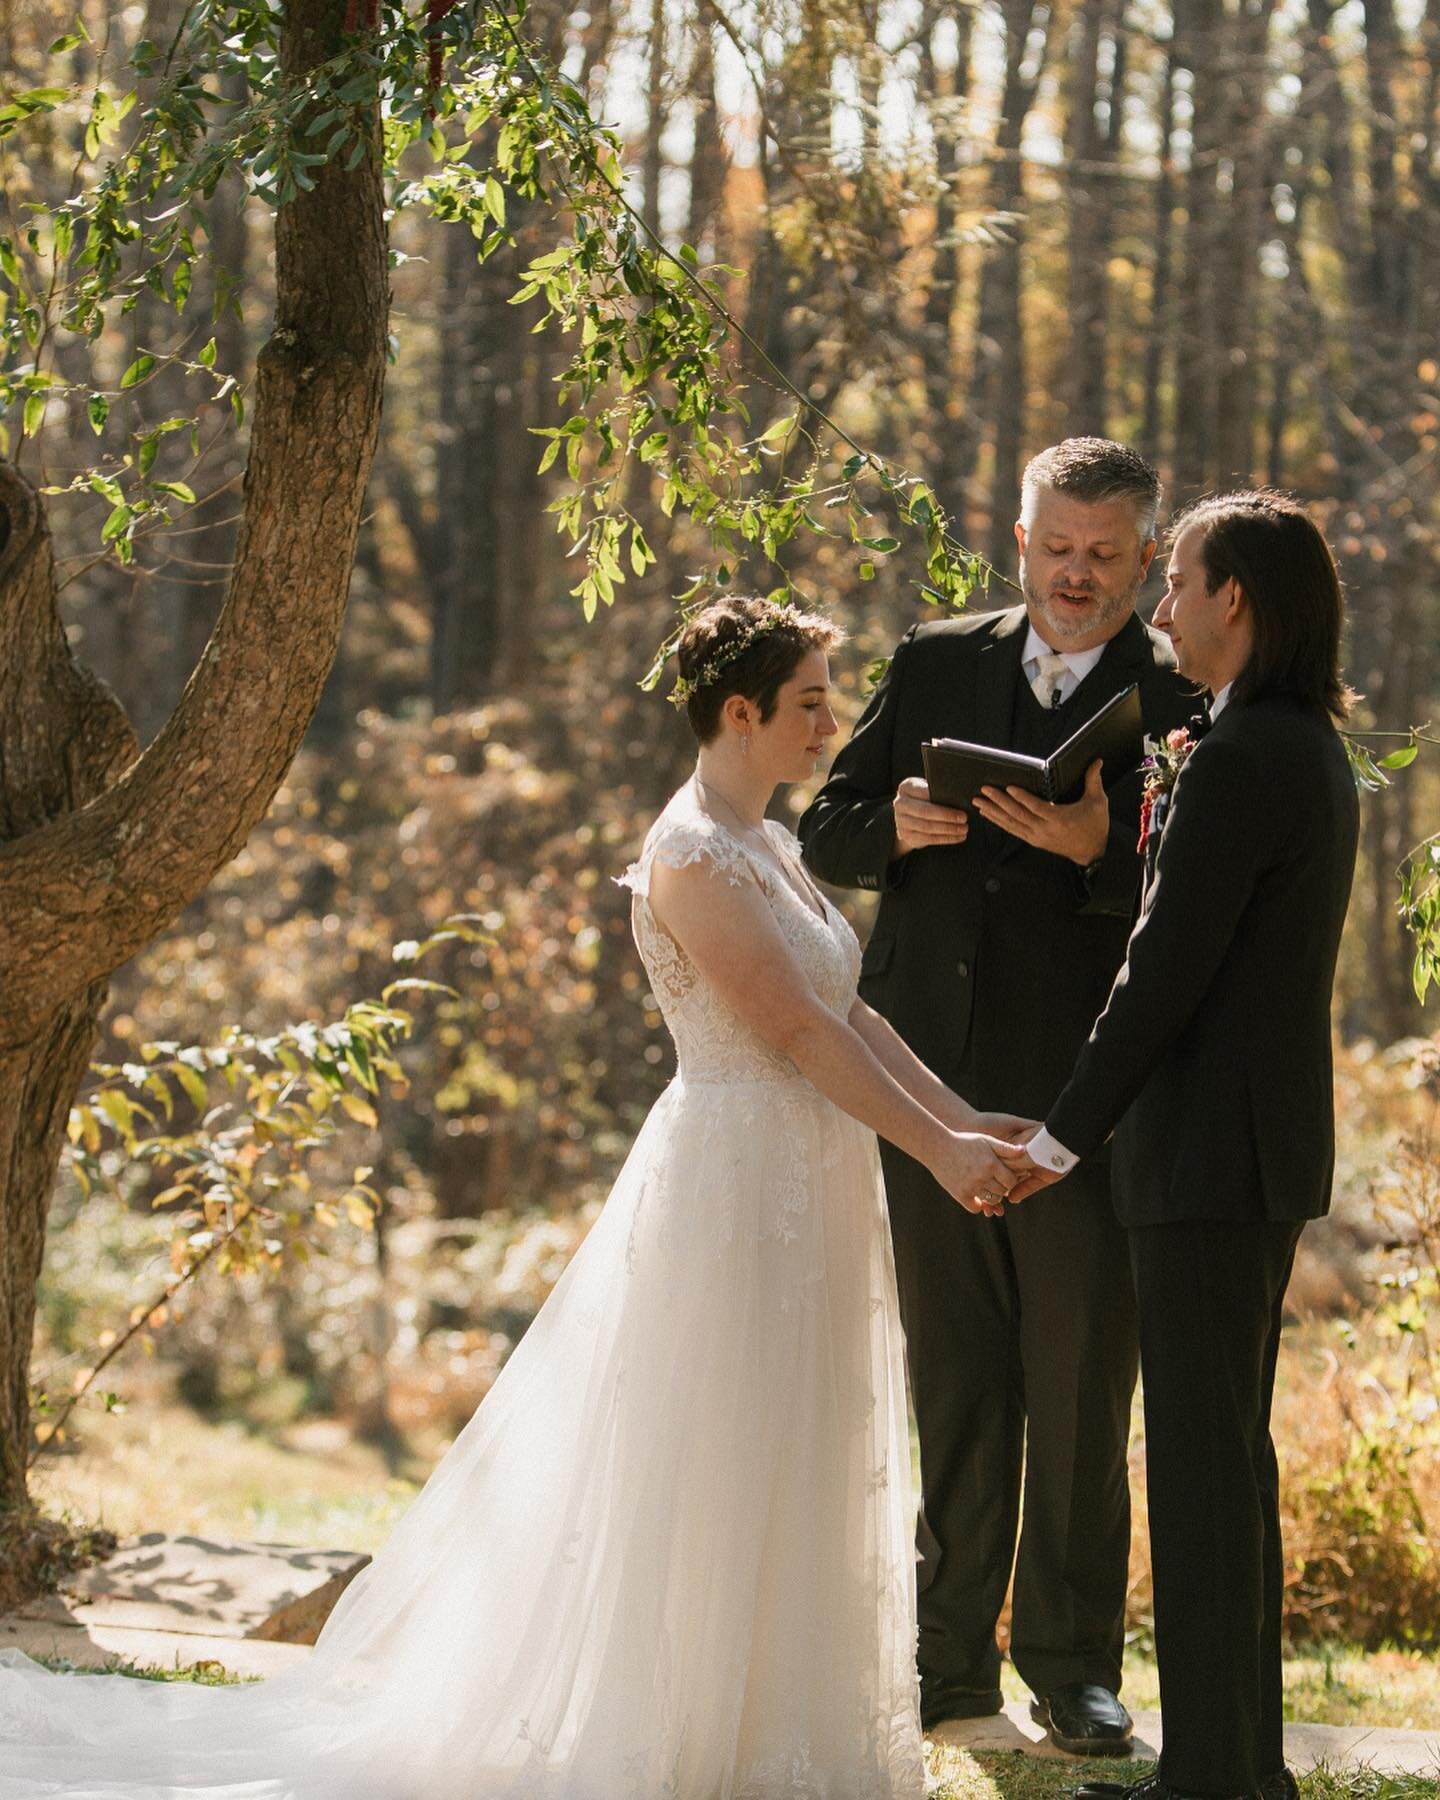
column 1092, row 469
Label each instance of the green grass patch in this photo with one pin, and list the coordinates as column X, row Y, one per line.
column 1340, row 1686
column 1006, row 1775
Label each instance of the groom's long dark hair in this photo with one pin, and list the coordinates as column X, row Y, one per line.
column 1271, row 546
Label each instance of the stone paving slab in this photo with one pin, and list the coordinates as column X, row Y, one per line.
column 1389, row 1751
column 111, row 1646
column 273, row 1592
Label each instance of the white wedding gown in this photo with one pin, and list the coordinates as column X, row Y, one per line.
column 670, row 1558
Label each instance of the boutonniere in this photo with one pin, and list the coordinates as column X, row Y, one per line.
column 1161, row 769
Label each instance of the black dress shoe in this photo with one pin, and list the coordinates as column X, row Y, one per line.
column 941, row 1700
column 1283, row 1786
column 1085, row 1719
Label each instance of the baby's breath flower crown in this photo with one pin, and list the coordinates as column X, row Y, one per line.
column 720, row 659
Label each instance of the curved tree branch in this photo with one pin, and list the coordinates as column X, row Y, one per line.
column 81, row 893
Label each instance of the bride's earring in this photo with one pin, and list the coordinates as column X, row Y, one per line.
column 744, row 743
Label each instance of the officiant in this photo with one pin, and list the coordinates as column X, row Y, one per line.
column 999, row 932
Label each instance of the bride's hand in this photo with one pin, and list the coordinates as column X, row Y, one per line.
column 976, row 1171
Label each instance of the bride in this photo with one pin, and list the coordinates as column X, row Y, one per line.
column 670, row 1557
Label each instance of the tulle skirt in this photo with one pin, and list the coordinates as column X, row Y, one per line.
column 670, row 1557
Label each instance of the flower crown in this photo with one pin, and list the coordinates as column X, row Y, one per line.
column 715, row 665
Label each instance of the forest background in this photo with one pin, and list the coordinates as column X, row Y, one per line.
column 958, row 232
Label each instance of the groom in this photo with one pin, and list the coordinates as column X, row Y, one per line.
column 1211, row 1064
column 995, row 946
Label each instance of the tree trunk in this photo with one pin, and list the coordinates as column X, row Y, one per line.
column 63, row 739
column 948, row 412
column 1199, row 34
column 1000, row 344
column 93, row 867
column 1087, row 230
column 1158, row 338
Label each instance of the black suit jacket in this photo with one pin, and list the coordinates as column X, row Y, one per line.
column 1211, row 1062
column 990, row 959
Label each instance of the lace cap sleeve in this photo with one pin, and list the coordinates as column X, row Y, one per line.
column 678, row 844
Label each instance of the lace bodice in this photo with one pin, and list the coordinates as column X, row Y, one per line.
column 712, row 1042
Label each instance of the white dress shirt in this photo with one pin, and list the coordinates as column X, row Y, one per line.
column 1078, row 663
column 1220, row 702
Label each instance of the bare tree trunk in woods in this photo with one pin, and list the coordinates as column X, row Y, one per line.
column 656, row 112
column 707, row 159
column 947, row 402
column 1087, row 233
column 1199, row 35
column 95, row 863
column 1159, row 337
column 1000, row 343
column 1246, row 74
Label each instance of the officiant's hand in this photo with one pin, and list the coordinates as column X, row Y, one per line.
column 919, row 822
column 1078, row 831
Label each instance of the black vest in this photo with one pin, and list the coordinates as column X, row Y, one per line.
column 1036, row 730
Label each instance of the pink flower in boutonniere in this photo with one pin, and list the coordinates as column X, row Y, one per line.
column 1161, row 769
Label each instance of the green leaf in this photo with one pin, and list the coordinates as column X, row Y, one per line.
column 98, row 409
column 119, row 518
column 180, row 489
column 494, row 200
column 34, row 413
column 1401, row 758
column 137, row 371
column 206, row 357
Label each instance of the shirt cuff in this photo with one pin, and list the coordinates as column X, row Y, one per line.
column 1046, row 1153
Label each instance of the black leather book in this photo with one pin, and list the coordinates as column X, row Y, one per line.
column 956, row 770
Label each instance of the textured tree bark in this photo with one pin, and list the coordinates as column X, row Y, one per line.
column 63, row 739
column 97, row 857
column 1000, row 347
column 1199, row 30
column 951, row 423
column 1088, row 233
column 1159, row 337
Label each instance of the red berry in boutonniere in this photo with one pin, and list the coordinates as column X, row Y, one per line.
column 1161, row 769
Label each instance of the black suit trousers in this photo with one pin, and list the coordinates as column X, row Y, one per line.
column 1210, row 1294
column 1032, row 1313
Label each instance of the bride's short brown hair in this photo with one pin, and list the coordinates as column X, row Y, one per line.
column 745, row 645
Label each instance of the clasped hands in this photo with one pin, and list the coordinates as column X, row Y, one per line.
column 1078, row 831
column 985, row 1164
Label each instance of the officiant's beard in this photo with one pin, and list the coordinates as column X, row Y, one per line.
column 1109, row 614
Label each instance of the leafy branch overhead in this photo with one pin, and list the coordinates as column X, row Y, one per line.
column 652, row 390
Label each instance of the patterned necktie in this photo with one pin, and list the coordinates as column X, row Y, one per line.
column 1050, row 673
